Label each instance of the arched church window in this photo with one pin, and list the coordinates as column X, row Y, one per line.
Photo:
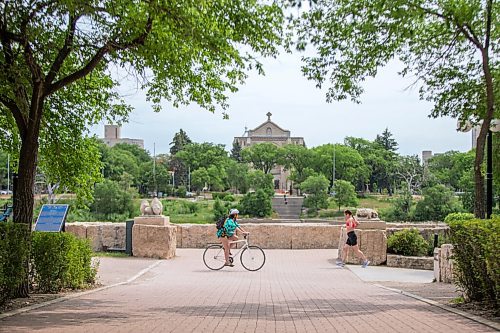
column 269, row 131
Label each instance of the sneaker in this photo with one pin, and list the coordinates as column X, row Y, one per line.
column 340, row 264
column 365, row 263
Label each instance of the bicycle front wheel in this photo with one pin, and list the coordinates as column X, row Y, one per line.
column 213, row 257
column 253, row 258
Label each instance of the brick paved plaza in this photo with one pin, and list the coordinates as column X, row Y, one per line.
column 296, row 291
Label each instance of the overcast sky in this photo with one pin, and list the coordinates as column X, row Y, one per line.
column 298, row 106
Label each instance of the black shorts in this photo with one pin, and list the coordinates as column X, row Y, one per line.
column 352, row 239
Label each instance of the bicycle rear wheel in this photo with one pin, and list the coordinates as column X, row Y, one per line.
column 213, row 257
column 253, row 258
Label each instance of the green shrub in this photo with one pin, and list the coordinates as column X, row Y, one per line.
column 14, row 252
column 229, row 197
column 109, row 199
column 458, row 217
column 221, row 209
column 328, row 213
column 476, row 259
column 181, row 191
column 407, row 242
column 256, row 204
column 60, row 260
column 218, row 195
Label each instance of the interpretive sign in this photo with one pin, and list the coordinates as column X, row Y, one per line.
column 52, row 218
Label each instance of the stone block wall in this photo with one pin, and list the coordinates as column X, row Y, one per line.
column 102, row 235
column 268, row 236
column 372, row 242
column 154, row 241
column 394, row 260
column 443, row 264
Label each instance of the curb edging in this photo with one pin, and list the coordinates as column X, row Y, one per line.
column 78, row 294
column 475, row 318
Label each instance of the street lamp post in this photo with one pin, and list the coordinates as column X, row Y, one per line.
column 495, row 127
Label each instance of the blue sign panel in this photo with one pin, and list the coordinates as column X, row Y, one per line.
column 52, row 218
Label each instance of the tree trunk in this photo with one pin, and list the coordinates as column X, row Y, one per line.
column 24, row 191
column 480, row 204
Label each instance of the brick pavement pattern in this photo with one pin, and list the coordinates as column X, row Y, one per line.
column 296, row 291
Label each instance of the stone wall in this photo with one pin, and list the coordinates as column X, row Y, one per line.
column 102, row 235
column 443, row 264
column 268, row 236
column 394, row 260
column 426, row 230
column 154, row 241
column 372, row 242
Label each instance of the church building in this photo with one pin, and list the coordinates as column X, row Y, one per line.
column 269, row 132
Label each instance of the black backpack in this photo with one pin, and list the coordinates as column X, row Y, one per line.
column 220, row 222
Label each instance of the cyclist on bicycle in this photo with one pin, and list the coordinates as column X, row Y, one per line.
column 228, row 233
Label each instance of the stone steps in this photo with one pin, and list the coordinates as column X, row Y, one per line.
column 289, row 211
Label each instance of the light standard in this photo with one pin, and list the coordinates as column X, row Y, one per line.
column 495, row 127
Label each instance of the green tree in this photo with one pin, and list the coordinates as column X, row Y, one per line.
column 450, row 167
column 111, row 199
column 445, row 44
column 180, row 140
column 237, row 176
column 258, row 180
column 316, row 188
column 438, row 202
column 263, row 156
column 379, row 161
column 349, row 165
column 345, row 195
column 77, row 175
column 196, row 155
column 56, row 59
column 409, row 171
column 236, row 152
column 386, row 141
column 177, row 164
column 297, row 158
column 200, row 178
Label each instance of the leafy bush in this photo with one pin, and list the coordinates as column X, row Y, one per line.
column 327, row 213
column 256, row 204
column 60, row 260
column 109, row 199
column 218, row 195
column 407, row 242
column 476, row 260
column 181, row 191
column 229, row 197
column 221, row 209
column 14, row 252
column 438, row 202
column 458, row 217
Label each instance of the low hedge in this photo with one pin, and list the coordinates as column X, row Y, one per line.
column 476, row 260
column 61, row 260
column 407, row 242
column 14, row 252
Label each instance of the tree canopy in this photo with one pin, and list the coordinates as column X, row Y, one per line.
column 449, row 47
column 57, row 59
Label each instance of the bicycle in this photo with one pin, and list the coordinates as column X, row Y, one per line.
column 252, row 257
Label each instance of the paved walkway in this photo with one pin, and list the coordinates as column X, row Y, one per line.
column 296, row 291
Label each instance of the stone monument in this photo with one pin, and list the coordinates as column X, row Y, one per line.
column 152, row 234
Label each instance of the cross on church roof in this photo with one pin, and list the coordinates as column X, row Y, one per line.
column 269, row 114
